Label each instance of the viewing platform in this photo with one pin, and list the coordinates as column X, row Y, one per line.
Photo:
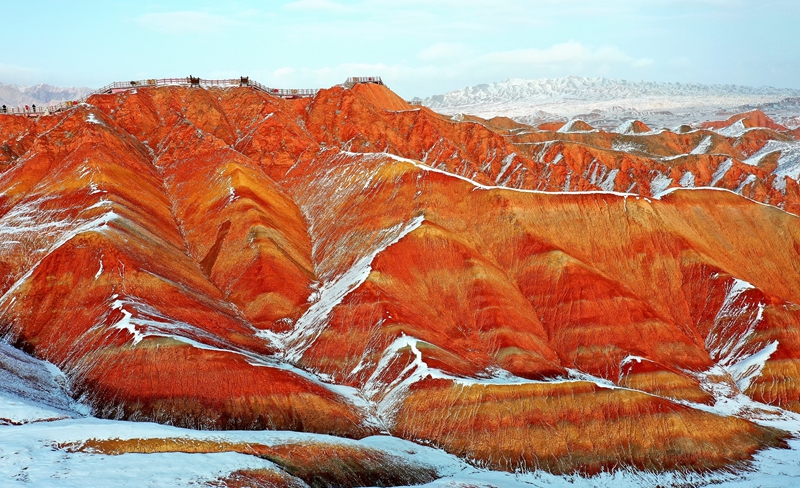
column 189, row 81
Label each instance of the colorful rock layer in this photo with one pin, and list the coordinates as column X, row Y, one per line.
column 566, row 299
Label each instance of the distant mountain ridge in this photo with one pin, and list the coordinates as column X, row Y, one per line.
column 553, row 98
column 18, row 95
column 594, row 89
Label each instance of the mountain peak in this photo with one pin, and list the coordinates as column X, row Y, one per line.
column 40, row 94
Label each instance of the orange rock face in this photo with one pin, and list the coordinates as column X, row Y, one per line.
column 350, row 264
column 756, row 118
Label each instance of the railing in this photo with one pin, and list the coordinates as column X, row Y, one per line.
column 354, row 80
column 191, row 81
column 34, row 111
column 244, row 81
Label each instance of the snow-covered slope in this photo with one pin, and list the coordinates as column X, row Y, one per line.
column 32, row 390
column 606, row 102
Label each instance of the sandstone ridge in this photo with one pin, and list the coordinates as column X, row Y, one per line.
column 561, row 298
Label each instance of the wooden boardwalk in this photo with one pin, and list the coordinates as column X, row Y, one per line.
column 189, row 81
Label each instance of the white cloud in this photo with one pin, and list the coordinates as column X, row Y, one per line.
column 441, row 66
column 283, row 72
column 326, row 76
column 183, row 22
column 443, row 51
column 10, row 73
column 570, row 54
column 315, row 5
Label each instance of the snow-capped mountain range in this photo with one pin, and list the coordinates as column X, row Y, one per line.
column 19, row 95
column 607, row 102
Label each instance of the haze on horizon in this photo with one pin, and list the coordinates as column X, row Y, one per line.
column 420, row 48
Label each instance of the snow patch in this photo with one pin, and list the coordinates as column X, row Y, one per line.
column 32, row 390
column 626, row 128
column 100, row 270
column 687, row 180
column 625, row 146
column 660, row 183
column 721, row 171
column 747, row 181
column 703, row 147
column 506, row 164
column 125, row 322
column 610, row 181
column 728, row 340
column 571, row 126
column 93, row 120
column 312, row 323
column 97, row 224
column 734, row 130
column 749, row 368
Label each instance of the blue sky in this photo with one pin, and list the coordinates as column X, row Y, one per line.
column 419, row 47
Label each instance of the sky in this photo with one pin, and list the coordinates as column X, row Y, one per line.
column 418, row 47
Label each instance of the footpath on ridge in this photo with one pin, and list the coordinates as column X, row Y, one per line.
column 190, row 81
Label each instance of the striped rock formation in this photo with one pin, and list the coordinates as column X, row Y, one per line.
column 570, row 300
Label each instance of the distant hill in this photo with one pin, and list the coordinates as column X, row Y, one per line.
column 608, row 102
column 18, row 95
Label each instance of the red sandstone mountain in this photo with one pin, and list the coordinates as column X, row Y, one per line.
column 756, row 118
column 350, row 264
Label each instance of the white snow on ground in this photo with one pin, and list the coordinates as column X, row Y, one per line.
column 660, row 183
column 29, row 457
column 32, row 229
column 721, row 171
column 92, row 119
column 607, row 103
column 626, row 127
column 769, row 148
column 99, row 270
column 32, row 390
column 570, row 126
column 586, row 94
column 788, row 161
column 125, row 322
column 98, row 224
column 312, row 323
column 723, row 346
column 506, row 163
column 493, row 187
column 747, row 181
column 608, row 184
column 30, row 453
column 703, row 147
column 749, row 368
column 625, row 146
column 734, row 130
